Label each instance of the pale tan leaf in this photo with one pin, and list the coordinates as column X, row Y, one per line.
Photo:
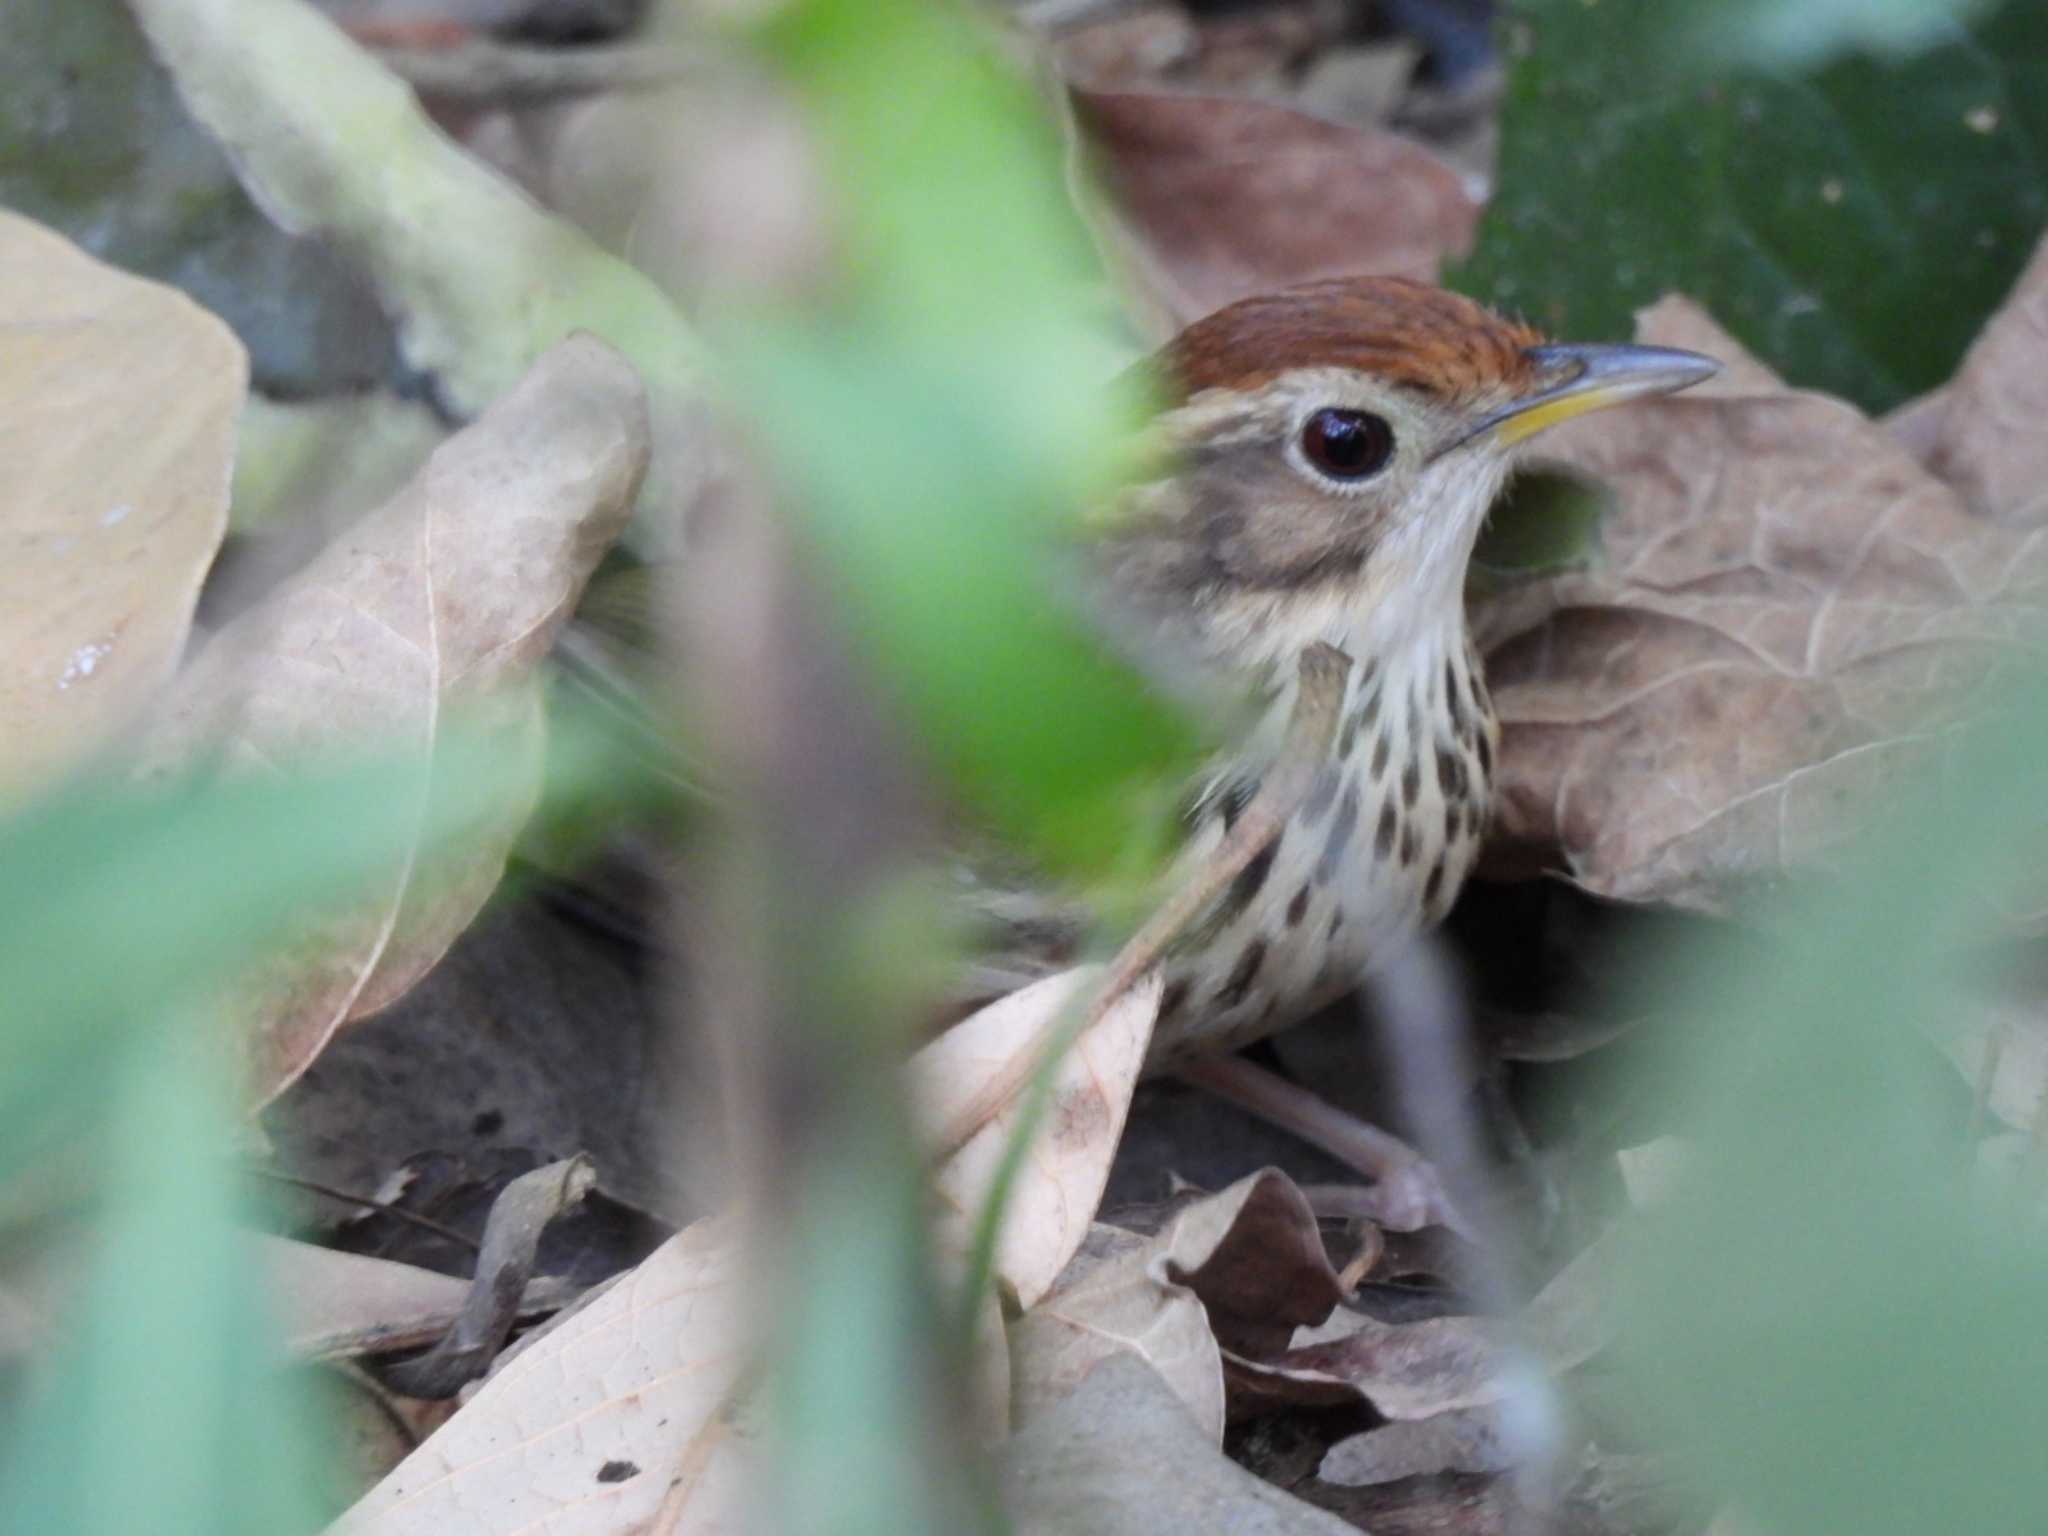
column 1055, row 1198
column 118, row 400
column 1116, row 1299
column 1989, row 443
column 1785, row 609
column 1245, row 1265
column 332, row 1302
column 619, row 1420
column 1121, row 1454
column 435, row 609
column 1209, row 199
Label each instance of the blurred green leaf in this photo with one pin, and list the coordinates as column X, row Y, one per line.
column 938, row 556
column 164, row 1408
column 1853, row 223
column 1833, row 1319
column 863, row 1369
column 949, row 424
column 120, row 906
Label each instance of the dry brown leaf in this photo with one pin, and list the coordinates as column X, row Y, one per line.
column 618, row 1420
column 1055, row 1198
column 118, row 398
column 1116, row 1298
column 1210, row 199
column 1254, row 1255
column 1246, row 1266
column 1989, row 443
column 1121, row 1454
column 435, row 609
column 1782, row 602
column 1414, row 1371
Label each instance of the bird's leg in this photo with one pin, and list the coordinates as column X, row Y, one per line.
column 1406, row 1195
column 1311, row 732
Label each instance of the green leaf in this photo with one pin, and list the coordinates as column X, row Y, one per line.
column 937, row 549
column 960, row 427
column 1852, row 222
column 1835, row 1322
column 121, row 907
column 164, row 1408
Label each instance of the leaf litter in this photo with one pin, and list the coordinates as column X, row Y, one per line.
column 1783, row 583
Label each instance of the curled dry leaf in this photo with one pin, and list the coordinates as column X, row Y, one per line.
column 1255, row 1257
column 504, row 1263
column 1054, row 1200
column 1121, row 1454
column 1209, row 199
column 436, row 609
column 1782, row 603
column 118, row 400
column 622, row 1418
column 1245, row 1265
column 1416, row 1371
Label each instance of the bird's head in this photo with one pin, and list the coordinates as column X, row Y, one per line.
column 1323, row 458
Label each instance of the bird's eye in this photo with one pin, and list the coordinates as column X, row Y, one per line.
column 1347, row 445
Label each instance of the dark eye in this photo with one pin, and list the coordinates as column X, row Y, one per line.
column 1347, row 445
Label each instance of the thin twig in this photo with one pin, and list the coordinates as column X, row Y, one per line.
column 366, row 1203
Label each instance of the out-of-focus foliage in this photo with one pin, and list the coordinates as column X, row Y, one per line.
column 120, row 909
column 942, row 421
column 120, row 912
column 164, row 1407
column 1850, row 215
column 1836, row 1318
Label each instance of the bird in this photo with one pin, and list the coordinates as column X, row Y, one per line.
column 1319, row 462
column 1311, row 469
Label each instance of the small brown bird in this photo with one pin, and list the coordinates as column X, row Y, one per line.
column 1328, row 455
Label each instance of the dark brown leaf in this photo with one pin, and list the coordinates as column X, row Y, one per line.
column 1210, row 199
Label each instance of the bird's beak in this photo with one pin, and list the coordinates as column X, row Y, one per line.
column 1578, row 379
